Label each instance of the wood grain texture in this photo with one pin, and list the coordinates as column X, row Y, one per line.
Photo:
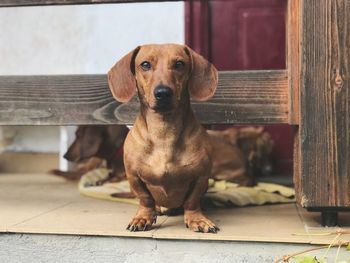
column 12, row 3
column 293, row 59
column 55, row 100
column 325, row 104
column 297, row 166
column 293, row 66
column 258, row 97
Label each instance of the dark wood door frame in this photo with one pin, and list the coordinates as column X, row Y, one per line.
column 200, row 34
column 198, row 26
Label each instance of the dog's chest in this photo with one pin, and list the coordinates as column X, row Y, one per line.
column 165, row 165
column 169, row 176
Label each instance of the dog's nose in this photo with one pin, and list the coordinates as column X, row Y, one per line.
column 163, row 93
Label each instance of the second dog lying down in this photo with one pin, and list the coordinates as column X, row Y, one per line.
column 95, row 146
column 239, row 154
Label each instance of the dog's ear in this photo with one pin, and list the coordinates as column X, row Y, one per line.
column 91, row 141
column 121, row 77
column 203, row 78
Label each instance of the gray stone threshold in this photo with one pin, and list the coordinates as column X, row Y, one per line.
column 67, row 248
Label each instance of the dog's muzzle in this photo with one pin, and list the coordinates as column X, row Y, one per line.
column 163, row 96
column 163, row 93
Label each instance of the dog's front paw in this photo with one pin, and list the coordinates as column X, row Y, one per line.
column 142, row 222
column 197, row 222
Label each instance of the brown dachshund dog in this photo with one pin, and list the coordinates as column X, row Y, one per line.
column 92, row 146
column 167, row 154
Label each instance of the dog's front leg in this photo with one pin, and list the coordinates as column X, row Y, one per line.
column 193, row 216
column 146, row 215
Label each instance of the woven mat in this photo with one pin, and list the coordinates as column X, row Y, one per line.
column 219, row 194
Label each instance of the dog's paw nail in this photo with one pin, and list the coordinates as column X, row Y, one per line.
column 200, row 229
column 186, row 225
column 217, row 229
column 128, row 227
column 212, row 230
column 145, row 228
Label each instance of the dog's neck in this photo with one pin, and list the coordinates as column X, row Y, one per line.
column 167, row 127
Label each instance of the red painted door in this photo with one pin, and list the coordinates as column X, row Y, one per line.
column 244, row 35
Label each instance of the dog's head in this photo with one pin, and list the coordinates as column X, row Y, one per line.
column 97, row 141
column 163, row 75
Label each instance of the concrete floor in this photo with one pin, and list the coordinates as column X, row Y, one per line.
column 44, row 204
column 81, row 229
column 65, row 248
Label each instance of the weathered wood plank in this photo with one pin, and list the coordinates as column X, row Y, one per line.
column 293, row 66
column 242, row 97
column 293, row 59
column 325, row 104
column 12, row 3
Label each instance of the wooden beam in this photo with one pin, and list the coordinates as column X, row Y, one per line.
column 324, row 130
column 12, row 3
column 258, row 97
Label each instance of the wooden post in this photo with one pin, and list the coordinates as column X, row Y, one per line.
column 293, row 59
column 324, row 132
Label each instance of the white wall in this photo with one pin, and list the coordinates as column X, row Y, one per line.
column 82, row 39
column 78, row 40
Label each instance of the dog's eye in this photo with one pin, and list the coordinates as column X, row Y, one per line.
column 179, row 65
column 145, row 65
